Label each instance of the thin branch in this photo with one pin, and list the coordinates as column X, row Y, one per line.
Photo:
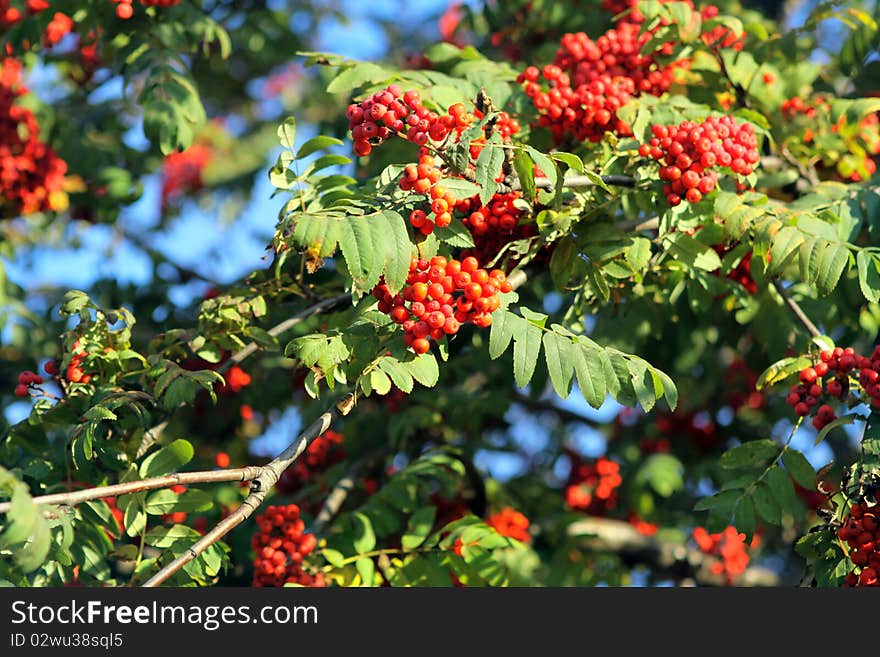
column 674, row 559
column 796, row 309
column 72, row 498
column 262, row 483
column 578, row 182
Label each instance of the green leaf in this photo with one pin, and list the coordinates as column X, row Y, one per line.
column 722, row 502
column 692, row 252
column 166, row 537
column 765, row 504
column 316, row 144
column 782, row 489
column 356, row 76
column 799, row 468
column 744, row 517
column 366, row 569
column 287, row 132
column 749, row 455
column 424, row 369
column 489, row 167
column 590, row 372
column 418, row 528
column 869, row 277
column 398, row 373
column 501, row 332
column 832, row 260
column 558, row 353
column 364, row 538
column 380, row 382
column 545, row 164
column 785, row 245
column 526, row 349
column 525, row 171
column 167, row 460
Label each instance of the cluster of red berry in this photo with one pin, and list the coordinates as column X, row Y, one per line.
column 511, row 523
column 75, row 373
column 590, row 80
column 324, row 451
column 441, row 295
column 281, row 544
column 31, row 174
column 386, row 113
column 690, row 152
column 730, row 546
column 182, row 172
column 124, row 9
column 617, row 53
column 592, row 487
column 839, row 363
column 584, row 113
column 424, row 178
column 495, row 225
column 861, row 532
column 25, row 380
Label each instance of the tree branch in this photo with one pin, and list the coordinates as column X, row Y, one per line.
column 677, row 560
column 72, row 498
column 264, row 480
column 796, row 309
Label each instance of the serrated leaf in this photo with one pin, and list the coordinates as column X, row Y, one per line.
column 749, row 455
column 489, row 167
column 526, row 349
column 785, row 245
column 765, row 505
column 590, row 372
column 380, row 382
column 501, row 332
column 560, row 364
column 398, row 373
column 424, row 369
column 692, row 252
column 832, row 260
